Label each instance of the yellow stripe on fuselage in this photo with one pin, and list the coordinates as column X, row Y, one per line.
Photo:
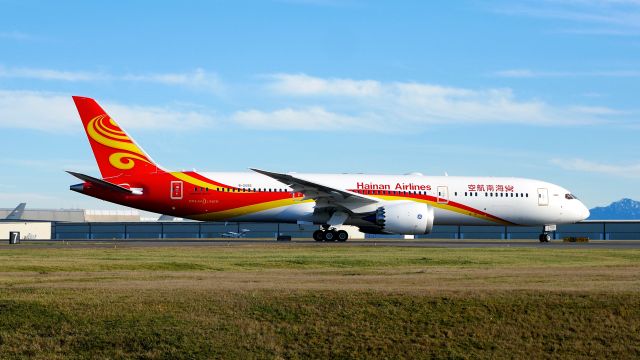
column 447, row 207
column 249, row 209
column 197, row 182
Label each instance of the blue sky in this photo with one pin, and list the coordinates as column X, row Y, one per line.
column 540, row 89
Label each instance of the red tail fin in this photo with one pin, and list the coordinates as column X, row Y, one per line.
column 116, row 153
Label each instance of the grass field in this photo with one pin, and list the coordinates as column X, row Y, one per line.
column 333, row 301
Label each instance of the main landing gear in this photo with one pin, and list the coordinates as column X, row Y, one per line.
column 330, row 235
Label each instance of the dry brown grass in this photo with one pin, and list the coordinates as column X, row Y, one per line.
column 414, row 280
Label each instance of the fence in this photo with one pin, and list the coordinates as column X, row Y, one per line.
column 175, row 230
column 596, row 230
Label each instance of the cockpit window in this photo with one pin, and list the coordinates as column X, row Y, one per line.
column 570, row 197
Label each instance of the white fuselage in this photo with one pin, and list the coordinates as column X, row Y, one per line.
column 456, row 200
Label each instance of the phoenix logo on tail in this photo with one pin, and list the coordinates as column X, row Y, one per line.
column 116, row 153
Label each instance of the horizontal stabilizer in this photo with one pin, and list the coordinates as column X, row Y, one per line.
column 101, row 183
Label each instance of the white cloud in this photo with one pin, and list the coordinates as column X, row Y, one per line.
column 583, row 17
column 50, row 75
column 53, row 164
column 320, row 104
column 148, row 117
column 302, row 84
column 29, row 198
column 631, row 170
column 197, row 79
column 36, row 110
column 597, row 110
column 14, row 35
column 314, row 118
column 524, row 73
column 374, row 105
column 55, row 112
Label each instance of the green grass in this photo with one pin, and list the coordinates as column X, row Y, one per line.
column 338, row 302
column 159, row 324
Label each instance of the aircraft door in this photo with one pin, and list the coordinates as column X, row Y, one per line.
column 543, row 197
column 176, row 190
column 443, row 195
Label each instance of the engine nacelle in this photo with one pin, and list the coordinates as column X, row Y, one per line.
column 405, row 218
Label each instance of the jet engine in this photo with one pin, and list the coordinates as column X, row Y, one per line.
column 407, row 218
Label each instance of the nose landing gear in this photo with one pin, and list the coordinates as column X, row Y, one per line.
column 330, row 235
column 544, row 237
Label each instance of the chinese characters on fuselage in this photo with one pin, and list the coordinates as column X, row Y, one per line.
column 490, row 187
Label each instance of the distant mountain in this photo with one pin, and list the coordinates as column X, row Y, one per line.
column 625, row 209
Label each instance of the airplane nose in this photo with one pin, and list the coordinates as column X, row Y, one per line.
column 583, row 212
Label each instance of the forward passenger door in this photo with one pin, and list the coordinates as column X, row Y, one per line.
column 543, row 197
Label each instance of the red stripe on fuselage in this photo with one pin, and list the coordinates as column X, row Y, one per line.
column 432, row 199
column 198, row 201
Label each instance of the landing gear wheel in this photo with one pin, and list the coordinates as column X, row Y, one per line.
column 342, row 235
column 318, row 235
column 544, row 238
column 330, row 235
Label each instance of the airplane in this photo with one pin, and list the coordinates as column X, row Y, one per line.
column 16, row 214
column 233, row 234
column 376, row 204
column 166, row 218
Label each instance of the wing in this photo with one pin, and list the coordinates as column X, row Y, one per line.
column 324, row 195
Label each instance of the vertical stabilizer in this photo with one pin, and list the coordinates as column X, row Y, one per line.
column 116, row 153
column 16, row 214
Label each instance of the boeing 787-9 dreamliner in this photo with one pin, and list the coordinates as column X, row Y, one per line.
column 377, row 204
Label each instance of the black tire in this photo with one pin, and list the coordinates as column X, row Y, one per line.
column 342, row 235
column 547, row 237
column 318, row 235
column 330, row 235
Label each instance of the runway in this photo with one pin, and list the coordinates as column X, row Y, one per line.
column 430, row 243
